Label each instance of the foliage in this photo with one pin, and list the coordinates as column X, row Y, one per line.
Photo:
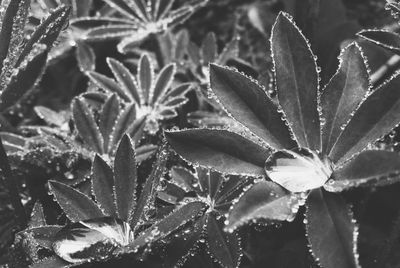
column 161, row 133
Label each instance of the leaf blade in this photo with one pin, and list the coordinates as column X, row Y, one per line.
column 296, row 81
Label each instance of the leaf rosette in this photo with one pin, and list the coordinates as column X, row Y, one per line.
column 310, row 143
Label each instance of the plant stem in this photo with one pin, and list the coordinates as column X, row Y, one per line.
column 12, row 188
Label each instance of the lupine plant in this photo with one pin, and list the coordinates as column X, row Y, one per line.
column 149, row 93
column 310, row 145
column 133, row 133
column 140, row 18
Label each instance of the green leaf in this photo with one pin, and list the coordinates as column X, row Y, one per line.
column 369, row 168
column 76, row 205
column 376, row 116
column 331, row 230
column 296, row 81
column 123, row 123
column 223, row 246
column 125, row 178
column 342, row 95
column 225, row 151
column 163, row 82
column 25, row 77
column 103, row 186
column 263, row 201
column 247, row 102
column 86, row 125
column 125, row 79
column 383, row 38
column 147, row 195
column 145, row 76
column 108, row 116
column 86, row 57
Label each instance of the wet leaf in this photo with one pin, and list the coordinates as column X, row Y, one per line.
column 183, row 178
column 386, row 39
column 248, row 103
column 125, row 178
column 296, row 81
column 376, row 116
column 147, row 195
column 331, row 230
column 44, row 235
column 145, row 76
column 108, row 116
column 86, row 125
column 37, row 216
column 224, row 246
column 125, row 119
column 220, row 149
column 107, row 84
column 76, row 205
column 163, row 82
column 125, row 79
column 263, row 201
column 342, row 95
column 369, row 168
column 103, row 186
column 24, row 78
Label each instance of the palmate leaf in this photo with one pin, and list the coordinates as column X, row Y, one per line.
column 247, row 102
column 44, row 235
column 163, row 82
column 331, row 230
column 223, row 246
column 263, row 201
column 342, row 95
column 183, row 178
column 107, row 84
column 296, row 81
column 76, row 205
column 383, row 38
column 367, row 169
column 125, row 176
column 222, row 150
column 37, row 216
column 376, row 116
column 26, row 76
column 86, row 125
column 103, row 186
